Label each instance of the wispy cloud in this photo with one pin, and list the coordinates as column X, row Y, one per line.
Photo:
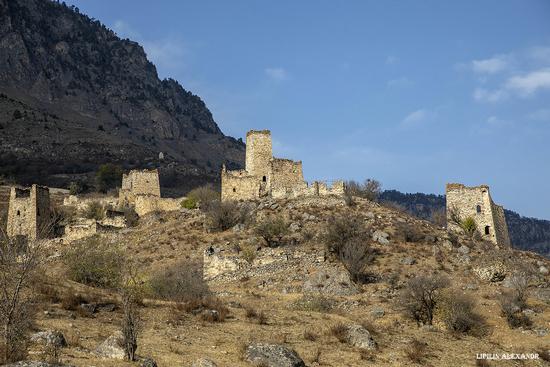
column 276, row 73
column 167, row 54
column 526, row 85
column 417, row 118
column 492, row 96
column 399, row 82
column 492, row 65
column 498, row 122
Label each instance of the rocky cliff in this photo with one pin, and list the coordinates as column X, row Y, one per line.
column 74, row 95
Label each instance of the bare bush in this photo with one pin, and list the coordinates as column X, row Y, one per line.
column 370, row 189
column 222, row 216
column 458, row 314
column 94, row 210
column 19, row 264
column 94, row 262
column 356, row 254
column 181, row 282
column 131, row 217
column 340, row 230
column 454, row 215
column 272, row 230
column 131, row 294
column 511, row 308
column 203, row 197
column 419, row 298
column 410, row 233
column 340, row 332
column 416, row 351
column 439, row 217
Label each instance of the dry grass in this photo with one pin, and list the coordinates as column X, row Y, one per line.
column 340, row 332
column 416, row 351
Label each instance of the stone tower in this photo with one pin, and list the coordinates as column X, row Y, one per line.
column 476, row 202
column 258, row 153
column 138, row 182
column 29, row 212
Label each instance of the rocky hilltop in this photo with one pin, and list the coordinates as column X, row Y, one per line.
column 74, row 95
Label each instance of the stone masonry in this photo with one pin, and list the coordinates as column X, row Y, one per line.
column 29, row 212
column 265, row 175
column 476, row 202
column 138, row 182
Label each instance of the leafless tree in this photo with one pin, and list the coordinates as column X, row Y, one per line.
column 420, row 296
column 131, row 295
column 19, row 262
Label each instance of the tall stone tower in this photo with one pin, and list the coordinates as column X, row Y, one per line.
column 476, row 202
column 29, row 212
column 258, row 154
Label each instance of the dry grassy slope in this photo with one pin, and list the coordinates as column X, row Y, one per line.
column 161, row 239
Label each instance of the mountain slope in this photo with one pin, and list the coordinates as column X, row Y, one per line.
column 525, row 233
column 75, row 95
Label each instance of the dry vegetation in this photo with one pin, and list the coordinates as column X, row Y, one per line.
column 146, row 281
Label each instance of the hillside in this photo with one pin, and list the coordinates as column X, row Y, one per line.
column 74, row 96
column 296, row 294
column 525, row 233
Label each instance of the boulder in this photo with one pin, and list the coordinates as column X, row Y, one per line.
column 359, row 337
column 543, row 270
column 147, row 362
column 380, row 237
column 377, row 312
column 112, row 347
column 203, row 362
column 273, row 355
column 491, row 273
column 330, row 282
column 463, row 250
column 408, row 261
column 52, row 338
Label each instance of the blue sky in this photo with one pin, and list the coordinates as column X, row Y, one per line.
column 414, row 94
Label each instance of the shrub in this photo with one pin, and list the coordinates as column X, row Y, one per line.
column 259, row 317
column 370, row 189
column 355, row 255
column 459, row 316
column 410, row 233
column 340, row 332
column 317, row 303
column 94, row 262
column 71, row 301
column 439, row 217
column 272, row 230
column 132, row 218
column 204, row 196
column 308, row 335
column 511, row 309
column 181, row 282
column 222, row 216
column 419, row 298
column 189, row 203
column 94, row 210
column 131, row 294
column 108, row 176
column 416, row 351
column 342, row 229
column 469, row 225
column 77, row 187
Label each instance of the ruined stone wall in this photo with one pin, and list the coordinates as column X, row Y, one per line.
column 258, row 153
column 285, row 173
column 138, row 182
column 28, row 212
column 82, row 203
column 81, row 229
column 337, row 189
column 239, row 185
column 149, row 203
column 476, row 202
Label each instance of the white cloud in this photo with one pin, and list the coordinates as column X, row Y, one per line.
column 417, row 118
column 399, row 82
column 529, row 83
column 540, row 54
column 165, row 54
column 123, row 29
column 485, row 95
column 493, row 65
column 498, row 122
column 277, row 73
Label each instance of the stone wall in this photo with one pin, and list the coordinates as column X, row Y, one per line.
column 82, row 203
column 258, row 153
column 149, row 203
column 138, row 182
column 476, row 202
column 239, row 185
column 29, row 212
column 286, row 173
column 81, row 229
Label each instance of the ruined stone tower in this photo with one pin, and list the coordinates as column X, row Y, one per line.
column 258, row 153
column 265, row 175
column 29, row 212
column 139, row 182
column 476, row 202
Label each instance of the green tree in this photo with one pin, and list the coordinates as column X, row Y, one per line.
column 108, row 177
